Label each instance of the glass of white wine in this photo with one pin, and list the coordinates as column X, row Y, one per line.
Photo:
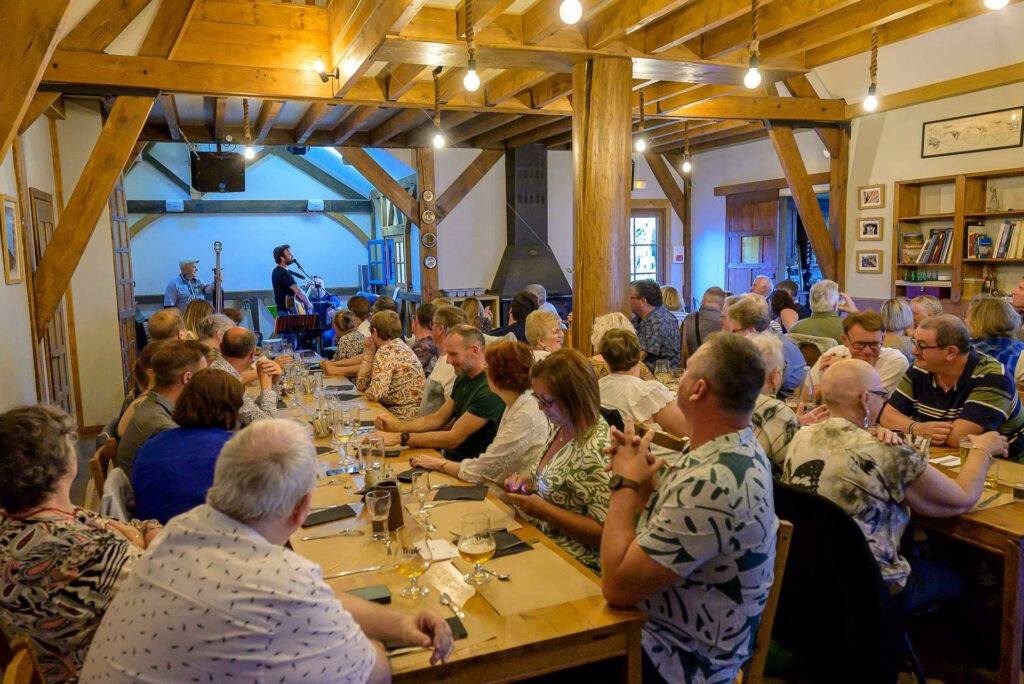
column 476, row 546
column 414, row 559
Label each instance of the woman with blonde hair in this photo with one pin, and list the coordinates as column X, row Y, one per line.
column 898, row 318
column 672, row 300
column 993, row 323
column 479, row 317
column 195, row 312
column 602, row 324
column 544, row 333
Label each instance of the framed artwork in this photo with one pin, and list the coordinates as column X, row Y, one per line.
column 871, row 197
column 10, row 232
column 870, row 228
column 996, row 130
column 869, row 261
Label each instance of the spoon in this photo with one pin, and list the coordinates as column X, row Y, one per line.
column 503, row 576
column 446, row 600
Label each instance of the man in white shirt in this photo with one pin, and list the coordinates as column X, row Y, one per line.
column 863, row 333
column 217, row 595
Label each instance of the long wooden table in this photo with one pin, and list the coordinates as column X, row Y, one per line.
column 1001, row 531
column 524, row 644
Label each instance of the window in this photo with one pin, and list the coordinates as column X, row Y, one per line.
column 645, row 246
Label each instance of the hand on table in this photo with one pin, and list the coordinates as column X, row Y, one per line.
column 428, row 462
column 936, row 431
column 992, row 443
column 816, row 415
column 389, row 438
column 888, row 436
column 531, row 505
column 271, row 368
column 428, row 630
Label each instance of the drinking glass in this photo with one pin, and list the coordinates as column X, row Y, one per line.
column 379, row 504
column 351, row 453
column 414, row 559
column 965, row 448
column 377, row 455
column 308, row 383
column 662, row 371
column 420, row 489
column 476, row 546
column 992, row 474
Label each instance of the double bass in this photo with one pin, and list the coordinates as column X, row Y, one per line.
column 218, row 285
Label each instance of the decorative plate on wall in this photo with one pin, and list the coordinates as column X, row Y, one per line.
column 429, row 240
column 428, row 196
column 430, row 261
column 428, row 217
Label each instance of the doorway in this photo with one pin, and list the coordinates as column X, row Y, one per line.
column 751, row 238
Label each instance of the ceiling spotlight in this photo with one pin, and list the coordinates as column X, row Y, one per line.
column 321, row 70
column 249, row 152
column 871, row 101
column 318, row 66
column 571, row 11
column 439, row 141
column 471, row 81
column 753, row 77
column 996, row 4
column 641, row 145
column 687, row 164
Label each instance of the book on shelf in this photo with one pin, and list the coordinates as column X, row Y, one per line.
column 911, row 246
column 1009, row 243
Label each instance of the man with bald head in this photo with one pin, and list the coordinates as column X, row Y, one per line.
column 875, row 478
column 166, row 324
column 762, row 286
column 236, row 355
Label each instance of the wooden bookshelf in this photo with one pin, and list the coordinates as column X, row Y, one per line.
column 922, row 205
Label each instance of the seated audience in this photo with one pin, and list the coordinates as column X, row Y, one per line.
column 390, row 374
column 174, row 469
column 993, row 324
column 784, row 309
column 212, row 328
column 566, row 495
column 924, row 307
column 1017, row 302
column 522, row 304
column 236, row 355
column 360, row 308
column 194, row 313
column 60, row 565
column 602, row 324
column 142, row 381
column 793, row 289
column 438, row 387
column 167, row 324
column 523, row 430
column 862, row 337
column 174, row 363
column 624, row 391
column 699, row 559
column 656, row 327
column 826, row 300
column 544, row 333
column 349, row 347
column 747, row 314
column 704, row 321
column 762, row 286
column 466, row 423
column 540, row 293
column 233, row 603
column 877, row 479
column 898, row 321
column 952, row 391
column 673, row 302
column 385, row 303
column 424, row 347
column 348, row 341
column 479, row 317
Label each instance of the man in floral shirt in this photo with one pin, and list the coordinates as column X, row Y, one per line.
column 656, row 327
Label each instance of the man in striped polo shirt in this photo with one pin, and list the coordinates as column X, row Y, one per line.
column 952, row 391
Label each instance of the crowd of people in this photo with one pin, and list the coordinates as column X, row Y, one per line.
column 688, row 538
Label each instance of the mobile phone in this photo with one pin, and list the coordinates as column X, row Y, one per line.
column 336, row 471
column 329, row 515
column 378, row 593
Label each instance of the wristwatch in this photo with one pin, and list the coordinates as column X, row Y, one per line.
column 405, row 438
column 617, row 482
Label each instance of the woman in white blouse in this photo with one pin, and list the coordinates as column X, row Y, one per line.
column 623, row 389
column 523, row 430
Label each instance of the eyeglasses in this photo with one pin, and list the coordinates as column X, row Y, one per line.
column 923, row 347
column 861, row 346
column 884, row 394
column 544, row 403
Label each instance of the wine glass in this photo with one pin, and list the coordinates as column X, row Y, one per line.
column 414, row 558
column 378, row 502
column 420, row 489
column 351, row 453
column 476, row 546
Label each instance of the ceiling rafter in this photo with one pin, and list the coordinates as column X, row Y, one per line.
column 396, row 79
column 170, row 109
column 265, row 120
column 310, row 120
column 771, row 20
column 624, row 18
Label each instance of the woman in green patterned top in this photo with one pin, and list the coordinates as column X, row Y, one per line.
column 567, row 496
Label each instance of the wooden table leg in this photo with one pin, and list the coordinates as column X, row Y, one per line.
column 632, row 661
column 1013, row 614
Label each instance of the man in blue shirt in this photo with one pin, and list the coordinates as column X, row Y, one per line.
column 657, row 328
column 185, row 286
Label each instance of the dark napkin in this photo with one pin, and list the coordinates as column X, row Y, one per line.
column 366, row 423
column 451, row 493
column 407, row 475
column 321, row 450
column 506, row 544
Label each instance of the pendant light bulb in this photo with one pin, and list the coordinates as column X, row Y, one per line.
column 249, row 152
column 570, row 11
column 439, row 141
column 687, row 164
column 471, row 81
column 641, row 145
column 996, row 4
column 871, row 101
column 753, row 77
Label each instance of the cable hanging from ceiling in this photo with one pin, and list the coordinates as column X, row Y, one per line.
column 753, row 77
column 871, row 101
column 641, row 143
column 687, row 163
column 249, row 152
column 439, row 139
column 471, row 81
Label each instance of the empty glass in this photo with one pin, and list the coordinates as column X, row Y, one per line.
column 377, row 455
column 378, row 503
column 414, row 559
column 420, row 490
column 662, row 371
column 476, row 546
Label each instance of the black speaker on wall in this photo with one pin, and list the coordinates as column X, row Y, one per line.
column 217, row 171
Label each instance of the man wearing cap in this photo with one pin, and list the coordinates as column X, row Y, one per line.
column 185, row 286
column 284, row 282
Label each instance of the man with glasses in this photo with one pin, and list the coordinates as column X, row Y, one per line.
column 952, row 391
column 863, row 334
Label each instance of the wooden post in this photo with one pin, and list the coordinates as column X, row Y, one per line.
column 839, row 172
column 601, row 129
column 425, row 174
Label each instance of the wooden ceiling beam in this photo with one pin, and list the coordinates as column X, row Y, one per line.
column 550, row 90
column 381, row 180
column 626, row 17
column 170, row 109
column 525, row 124
column 265, row 120
column 691, row 21
column 726, row 131
column 400, row 123
column 169, row 24
column 510, row 83
column 695, row 133
column 778, row 108
column 771, row 21
column 546, row 131
column 104, row 22
column 485, row 12
column 479, row 126
column 352, row 122
column 687, row 97
column 386, row 17
column 309, row 122
column 727, row 141
column 557, row 140
column 41, row 103
column 421, row 136
column 30, row 38
column 541, row 21
column 396, row 79
column 466, row 181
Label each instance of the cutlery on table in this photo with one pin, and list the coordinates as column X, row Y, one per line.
column 439, row 503
column 988, row 500
column 503, row 576
column 314, row 509
column 371, row 568
column 446, row 600
column 341, row 533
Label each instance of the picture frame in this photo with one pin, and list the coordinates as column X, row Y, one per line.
column 869, row 261
column 871, row 197
column 998, row 129
column 11, row 238
column 870, row 228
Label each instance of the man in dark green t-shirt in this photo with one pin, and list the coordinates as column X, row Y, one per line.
column 467, row 422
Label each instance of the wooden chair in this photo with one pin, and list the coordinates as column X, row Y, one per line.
column 99, row 464
column 23, row 668
column 753, row 671
column 669, row 441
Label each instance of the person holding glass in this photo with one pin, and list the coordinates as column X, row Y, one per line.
column 566, row 496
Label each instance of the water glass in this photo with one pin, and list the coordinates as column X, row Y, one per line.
column 378, row 503
column 965, row 448
column 351, row 453
column 377, row 454
column 420, row 490
column 414, row 559
column 662, row 371
column 476, row 546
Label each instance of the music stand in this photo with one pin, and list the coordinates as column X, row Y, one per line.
column 294, row 324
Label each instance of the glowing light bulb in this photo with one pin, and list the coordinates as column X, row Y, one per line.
column 640, row 145
column 753, row 78
column 249, row 152
column 570, row 11
column 871, row 101
column 318, row 66
column 996, row 4
column 471, row 81
column 687, row 165
column 826, row 154
column 439, row 141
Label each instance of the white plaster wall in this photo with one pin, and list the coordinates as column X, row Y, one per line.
column 560, row 211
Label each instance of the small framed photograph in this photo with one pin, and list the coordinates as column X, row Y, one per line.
column 10, row 236
column 871, row 197
column 869, row 261
column 870, row 228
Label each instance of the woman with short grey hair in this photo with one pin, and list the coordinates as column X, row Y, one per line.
column 898, row 318
column 826, row 300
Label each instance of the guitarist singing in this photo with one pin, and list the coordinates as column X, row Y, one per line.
column 284, row 282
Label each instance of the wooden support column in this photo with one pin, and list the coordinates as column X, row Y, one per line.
column 839, row 171
column 601, row 127
column 108, row 159
column 803, row 195
column 25, row 202
column 680, row 201
column 425, row 172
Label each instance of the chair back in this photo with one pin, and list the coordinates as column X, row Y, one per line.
column 834, row 609
column 99, row 464
column 753, row 671
column 118, row 496
column 23, row 668
column 612, row 417
column 669, row 441
column 811, row 346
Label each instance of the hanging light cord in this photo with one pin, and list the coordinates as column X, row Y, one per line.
column 755, row 47
column 686, row 138
column 437, row 95
column 470, row 38
column 874, row 56
column 245, row 118
column 641, row 112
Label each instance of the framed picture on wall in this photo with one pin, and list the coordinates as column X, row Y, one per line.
column 870, row 228
column 996, row 130
column 871, row 197
column 10, row 235
column 869, row 261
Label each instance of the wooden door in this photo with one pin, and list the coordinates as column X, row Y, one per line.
column 751, row 238
column 123, row 281
column 55, row 339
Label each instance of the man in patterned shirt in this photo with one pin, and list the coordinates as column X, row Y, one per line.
column 952, row 391
column 699, row 560
column 655, row 325
column 236, row 355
